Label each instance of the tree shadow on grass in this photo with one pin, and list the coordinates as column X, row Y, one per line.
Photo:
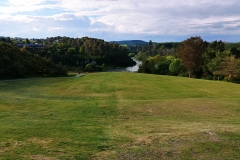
column 236, row 81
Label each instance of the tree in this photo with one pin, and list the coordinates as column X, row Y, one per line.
column 3, row 39
column 27, row 41
column 176, row 66
column 217, row 47
column 71, row 51
column 82, row 51
column 18, row 62
column 235, row 52
column 156, row 65
column 150, row 43
column 230, row 67
column 131, row 55
column 213, row 65
column 213, row 57
column 191, row 51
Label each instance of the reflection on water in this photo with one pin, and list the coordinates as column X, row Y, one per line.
column 127, row 69
column 134, row 68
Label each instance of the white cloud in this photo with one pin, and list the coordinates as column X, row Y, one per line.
column 58, row 28
column 64, row 17
column 130, row 18
column 35, row 29
column 16, row 6
column 24, row 2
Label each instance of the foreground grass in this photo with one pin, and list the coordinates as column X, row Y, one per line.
column 119, row 116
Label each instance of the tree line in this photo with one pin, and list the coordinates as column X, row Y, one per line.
column 193, row 58
column 19, row 63
column 58, row 54
column 79, row 52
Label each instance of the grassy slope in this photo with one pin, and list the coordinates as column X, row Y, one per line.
column 119, row 116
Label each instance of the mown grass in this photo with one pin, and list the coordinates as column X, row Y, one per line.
column 119, row 116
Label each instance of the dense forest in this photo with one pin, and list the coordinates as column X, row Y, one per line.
column 192, row 57
column 53, row 55
column 19, row 63
column 81, row 51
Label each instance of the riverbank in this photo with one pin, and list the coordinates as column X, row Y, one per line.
column 127, row 69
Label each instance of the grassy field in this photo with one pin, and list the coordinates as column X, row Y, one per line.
column 119, row 116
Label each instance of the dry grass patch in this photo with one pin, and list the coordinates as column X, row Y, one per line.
column 41, row 142
column 41, row 157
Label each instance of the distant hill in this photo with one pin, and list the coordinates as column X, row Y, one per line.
column 131, row 42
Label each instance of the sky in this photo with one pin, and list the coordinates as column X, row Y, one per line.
column 114, row 20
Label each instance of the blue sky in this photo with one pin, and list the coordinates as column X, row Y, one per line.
column 156, row 20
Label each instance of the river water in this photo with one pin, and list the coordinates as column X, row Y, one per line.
column 127, row 69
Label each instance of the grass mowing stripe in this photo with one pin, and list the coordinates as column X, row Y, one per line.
column 119, row 116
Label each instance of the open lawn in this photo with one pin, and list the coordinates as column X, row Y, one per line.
column 119, row 116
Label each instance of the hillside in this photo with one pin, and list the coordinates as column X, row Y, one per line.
column 19, row 63
column 119, row 116
column 131, row 42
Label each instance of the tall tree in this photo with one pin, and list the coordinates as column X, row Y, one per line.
column 150, row 43
column 176, row 66
column 27, row 41
column 234, row 51
column 191, row 51
column 230, row 67
column 213, row 57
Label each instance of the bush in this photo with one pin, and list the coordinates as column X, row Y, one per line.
column 99, row 68
column 209, row 77
column 183, row 74
column 131, row 55
column 90, row 66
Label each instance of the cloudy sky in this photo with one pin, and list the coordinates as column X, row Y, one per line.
column 156, row 20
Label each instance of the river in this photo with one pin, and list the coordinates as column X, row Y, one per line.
column 127, row 69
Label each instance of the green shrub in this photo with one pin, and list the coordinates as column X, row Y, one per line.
column 90, row 66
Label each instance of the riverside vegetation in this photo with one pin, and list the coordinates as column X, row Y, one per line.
column 55, row 56
column 192, row 57
column 119, row 116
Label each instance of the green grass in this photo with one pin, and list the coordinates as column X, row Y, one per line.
column 119, row 116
